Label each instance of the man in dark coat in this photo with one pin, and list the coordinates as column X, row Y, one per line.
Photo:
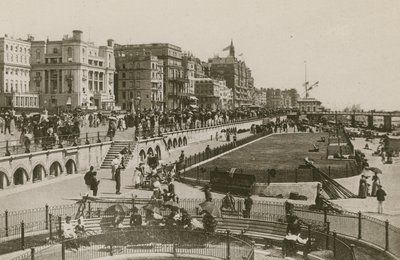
column 380, row 196
column 118, row 180
column 88, row 179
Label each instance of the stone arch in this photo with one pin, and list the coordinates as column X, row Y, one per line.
column 70, row 167
column 180, row 142
column 150, row 152
column 142, row 155
column 4, row 181
column 175, row 143
column 184, row 141
column 158, row 152
column 20, row 176
column 169, row 144
column 55, row 169
column 38, row 173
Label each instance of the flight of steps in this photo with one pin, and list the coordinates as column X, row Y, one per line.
column 114, row 150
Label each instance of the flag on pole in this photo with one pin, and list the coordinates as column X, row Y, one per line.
column 227, row 48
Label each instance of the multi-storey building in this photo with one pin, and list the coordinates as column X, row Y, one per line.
column 208, row 92
column 173, row 76
column 260, row 98
column 277, row 98
column 236, row 74
column 72, row 72
column 225, row 96
column 15, row 74
column 139, row 81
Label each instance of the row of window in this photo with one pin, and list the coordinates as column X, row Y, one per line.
column 17, row 72
column 17, row 48
column 23, row 59
column 26, row 101
column 11, row 86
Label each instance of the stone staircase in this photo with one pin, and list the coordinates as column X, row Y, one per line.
column 114, row 150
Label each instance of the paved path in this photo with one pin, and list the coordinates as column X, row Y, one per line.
column 390, row 180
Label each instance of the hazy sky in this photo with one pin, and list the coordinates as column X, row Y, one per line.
column 352, row 47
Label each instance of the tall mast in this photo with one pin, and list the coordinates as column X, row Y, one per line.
column 305, row 78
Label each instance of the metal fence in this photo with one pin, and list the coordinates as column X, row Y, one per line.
column 356, row 226
column 13, row 147
column 151, row 240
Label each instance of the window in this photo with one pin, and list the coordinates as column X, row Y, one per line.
column 38, row 56
column 11, row 47
column 55, row 50
column 100, row 63
column 131, row 94
column 69, row 54
column 123, row 75
column 123, row 95
column 6, row 47
column 123, row 65
column 123, row 84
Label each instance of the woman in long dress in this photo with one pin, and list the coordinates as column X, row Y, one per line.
column 375, row 182
column 362, row 190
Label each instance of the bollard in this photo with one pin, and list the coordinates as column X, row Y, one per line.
column 47, row 216
column 32, row 253
column 22, row 235
column 228, row 245
column 334, row 245
column 325, row 215
column 359, row 224
column 387, row 235
column 6, row 220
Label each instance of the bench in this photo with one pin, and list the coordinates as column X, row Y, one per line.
column 263, row 232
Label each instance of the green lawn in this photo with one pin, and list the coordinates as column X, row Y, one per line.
column 281, row 152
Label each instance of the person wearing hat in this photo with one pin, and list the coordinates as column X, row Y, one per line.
column 248, row 203
column 137, row 177
column 207, row 193
column 114, row 165
column 135, row 218
column 380, row 196
column 118, row 180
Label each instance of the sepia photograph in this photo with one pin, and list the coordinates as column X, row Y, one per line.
column 199, row 130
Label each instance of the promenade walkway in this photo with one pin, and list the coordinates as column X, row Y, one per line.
column 390, row 180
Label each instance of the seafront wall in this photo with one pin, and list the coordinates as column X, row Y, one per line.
column 37, row 166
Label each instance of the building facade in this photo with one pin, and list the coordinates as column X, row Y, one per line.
column 208, row 93
column 225, row 96
column 73, row 73
column 309, row 105
column 139, row 81
column 237, row 75
column 173, row 74
column 278, row 99
column 15, row 74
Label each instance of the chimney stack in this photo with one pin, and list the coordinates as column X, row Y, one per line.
column 77, row 35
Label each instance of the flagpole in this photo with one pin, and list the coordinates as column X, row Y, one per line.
column 305, row 78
